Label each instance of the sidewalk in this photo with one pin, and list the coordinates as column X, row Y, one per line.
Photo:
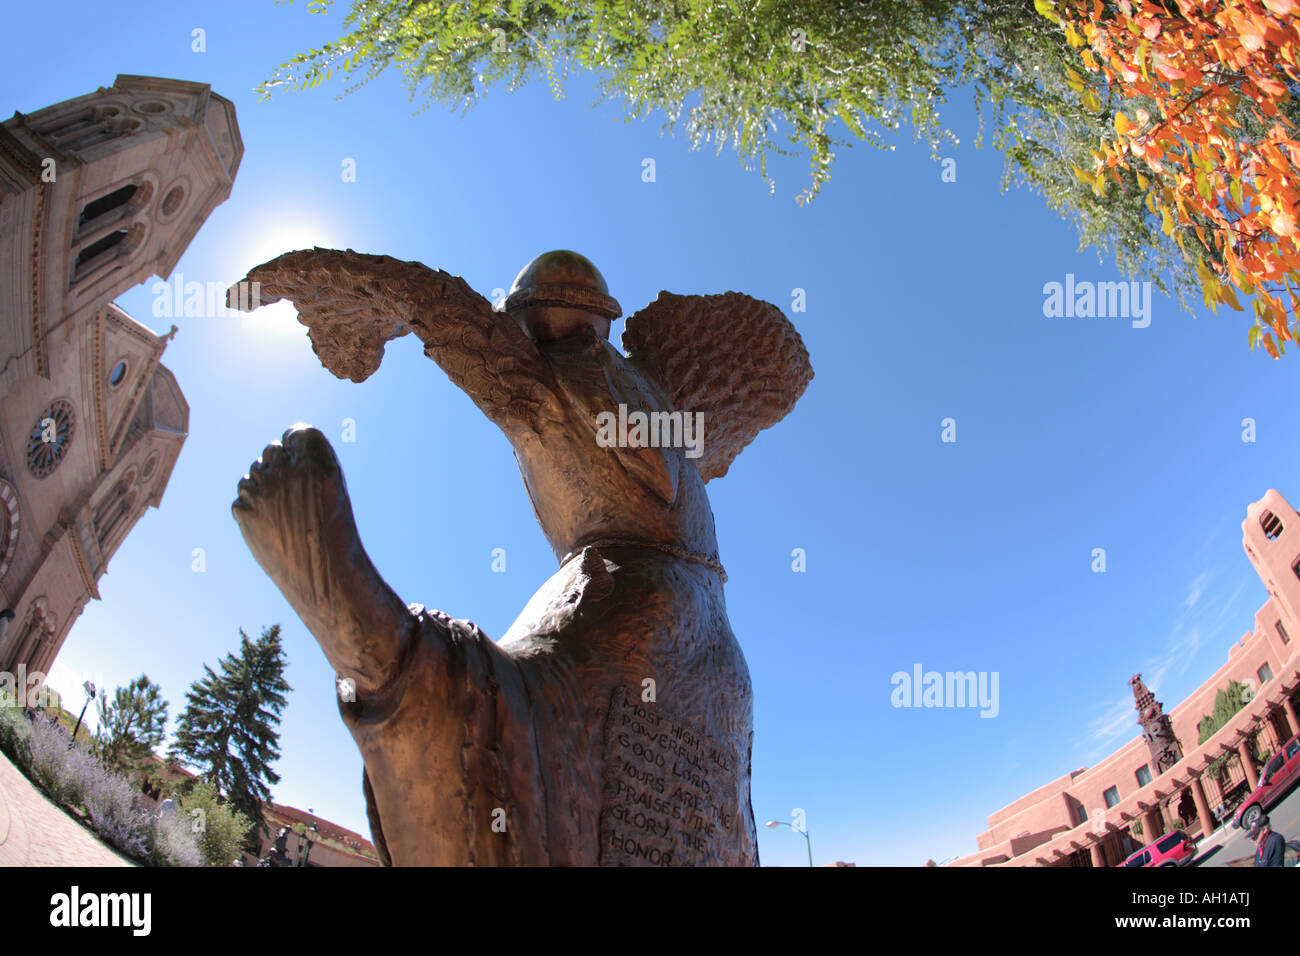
column 36, row 832
column 1215, row 840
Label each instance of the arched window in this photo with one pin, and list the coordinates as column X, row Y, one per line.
column 111, row 504
column 1271, row 524
column 101, row 245
column 39, row 626
column 89, row 127
column 114, row 513
column 107, row 249
column 105, row 205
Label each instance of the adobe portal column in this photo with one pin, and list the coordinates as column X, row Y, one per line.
column 1248, row 764
column 1292, row 720
column 1202, row 806
column 1098, row 857
column 1151, row 829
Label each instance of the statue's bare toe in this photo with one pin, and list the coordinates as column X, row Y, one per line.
column 295, row 484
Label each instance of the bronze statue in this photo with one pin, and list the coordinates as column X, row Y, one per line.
column 612, row 724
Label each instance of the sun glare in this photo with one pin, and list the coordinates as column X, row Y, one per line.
column 263, row 242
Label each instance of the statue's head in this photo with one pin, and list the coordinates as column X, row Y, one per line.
column 559, row 295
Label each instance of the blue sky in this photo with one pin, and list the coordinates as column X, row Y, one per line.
column 924, row 302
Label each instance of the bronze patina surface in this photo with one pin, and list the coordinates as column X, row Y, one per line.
column 612, row 724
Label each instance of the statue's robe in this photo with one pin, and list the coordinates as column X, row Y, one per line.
column 545, row 748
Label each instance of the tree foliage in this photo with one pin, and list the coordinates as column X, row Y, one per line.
column 229, row 729
column 131, row 725
column 1227, row 702
column 731, row 71
column 773, row 77
column 1202, row 97
column 220, row 828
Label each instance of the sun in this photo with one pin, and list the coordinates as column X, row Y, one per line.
column 287, row 232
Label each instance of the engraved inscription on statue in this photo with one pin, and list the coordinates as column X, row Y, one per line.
column 666, row 787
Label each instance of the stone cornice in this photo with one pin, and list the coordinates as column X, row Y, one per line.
column 39, row 356
column 97, row 387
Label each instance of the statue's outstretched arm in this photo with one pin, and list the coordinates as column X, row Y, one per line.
column 735, row 359
column 353, row 304
column 294, row 512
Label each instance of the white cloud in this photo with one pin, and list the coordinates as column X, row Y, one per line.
column 1114, row 722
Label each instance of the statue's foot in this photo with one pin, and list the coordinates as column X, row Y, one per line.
column 294, row 512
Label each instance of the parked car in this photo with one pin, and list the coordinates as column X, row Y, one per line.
column 1279, row 776
column 1172, row 849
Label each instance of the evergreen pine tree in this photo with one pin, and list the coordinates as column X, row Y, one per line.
column 229, row 730
column 131, row 725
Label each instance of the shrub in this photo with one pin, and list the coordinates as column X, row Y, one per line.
column 73, row 776
column 15, row 730
column 172, row 842
column 221, row 829
column 63, row 771
column 117, row 813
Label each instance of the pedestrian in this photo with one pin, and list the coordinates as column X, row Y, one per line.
column 1270, row 847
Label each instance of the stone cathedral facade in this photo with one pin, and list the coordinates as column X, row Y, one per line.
column 97, row 194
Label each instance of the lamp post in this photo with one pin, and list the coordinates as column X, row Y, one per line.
column 309, row 837
column 90, row 695
column 773, row 824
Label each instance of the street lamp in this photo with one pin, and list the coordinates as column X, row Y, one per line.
column 773, row 824
column 90, row 695
column 309, row 837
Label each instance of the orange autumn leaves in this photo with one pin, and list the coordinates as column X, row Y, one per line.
column 1198, row 68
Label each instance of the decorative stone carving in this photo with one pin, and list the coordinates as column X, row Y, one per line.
column 50, row 437
column 612, row 724
column 11, row 522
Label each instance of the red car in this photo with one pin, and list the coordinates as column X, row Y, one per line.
column 1280, row 775
column 1172, row 849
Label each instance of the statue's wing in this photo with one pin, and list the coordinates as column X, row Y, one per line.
column 734, row 358
column 353, row 304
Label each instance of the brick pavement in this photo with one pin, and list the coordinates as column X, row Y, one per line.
column 35, row 832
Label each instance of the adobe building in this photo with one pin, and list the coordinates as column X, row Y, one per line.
column 1095, row 816
column 330, row 845
column 97, row 194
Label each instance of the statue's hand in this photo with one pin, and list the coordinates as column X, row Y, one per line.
column 294, row 512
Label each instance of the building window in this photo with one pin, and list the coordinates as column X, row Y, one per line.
column 106, row 249
column 89, row 127
column 1082, row 813
column 173, row 201
column 117, row 374
column 1271, row 524
column 106, row 204
column 1281, row 632
column 1144, row 775
column 1111, row 796
column 49, row 438
column 100, row 245
column 1265, row 674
